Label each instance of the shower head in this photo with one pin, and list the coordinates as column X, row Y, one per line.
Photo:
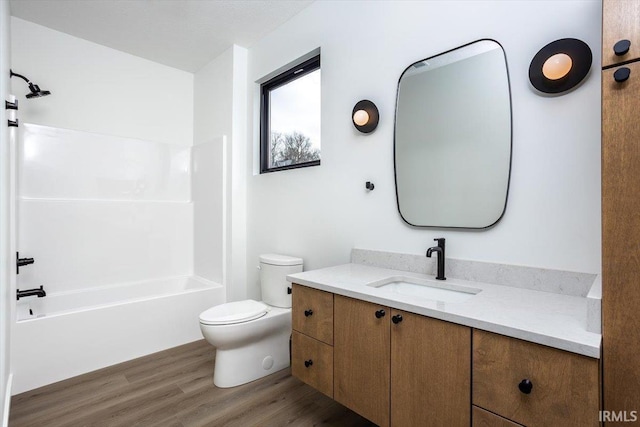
column 36, row 92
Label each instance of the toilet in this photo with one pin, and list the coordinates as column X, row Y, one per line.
column 252, row 337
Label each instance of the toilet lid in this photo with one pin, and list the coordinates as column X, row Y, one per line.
column 234, row 312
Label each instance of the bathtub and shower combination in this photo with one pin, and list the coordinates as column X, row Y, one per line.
column 114, row 247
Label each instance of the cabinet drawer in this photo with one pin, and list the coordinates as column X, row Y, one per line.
column 564, row 385
column 482, row 418
column 313, row 313
column 312, row 362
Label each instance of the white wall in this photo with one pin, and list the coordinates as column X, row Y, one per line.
column 5, row 203
column 220, row 93
column 212, row 126
column 552, row 218
column 98, row 89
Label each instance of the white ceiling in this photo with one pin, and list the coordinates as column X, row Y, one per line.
column 184, row 34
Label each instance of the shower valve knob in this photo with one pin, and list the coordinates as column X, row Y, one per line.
column 21, row 262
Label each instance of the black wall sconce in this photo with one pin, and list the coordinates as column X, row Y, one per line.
column 365, row 116
column 560, row 66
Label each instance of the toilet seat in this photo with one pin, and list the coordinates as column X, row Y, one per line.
column 234, row 312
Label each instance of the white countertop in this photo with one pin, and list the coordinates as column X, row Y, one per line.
column 551, row 319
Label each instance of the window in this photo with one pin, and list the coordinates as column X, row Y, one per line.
column 290, row 118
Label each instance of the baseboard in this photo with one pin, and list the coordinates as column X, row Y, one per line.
column 7, row 402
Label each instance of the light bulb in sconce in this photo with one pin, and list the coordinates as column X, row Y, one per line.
column 557, row 66
column 560, row 66
column 365, row 116
column 360, row 117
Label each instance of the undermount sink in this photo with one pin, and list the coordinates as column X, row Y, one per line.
column 424, row 288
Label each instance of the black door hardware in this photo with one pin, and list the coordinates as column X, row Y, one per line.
column 21, row 262
column 8, row 105
column 288, row 290
column 397, row 318
column 308, row 313
column 621, row 47
column 308, row 363
column 621, row 74
column 380, row 313
column 369, row 186
column 12, row 123
column 525, row 386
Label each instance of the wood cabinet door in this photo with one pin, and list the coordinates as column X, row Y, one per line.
column 430, row 372
column 563, row 386
column 620, row 21
column 361, row 358
column 620, row 238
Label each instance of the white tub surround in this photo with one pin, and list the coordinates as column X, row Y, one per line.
column 72, row 333
column 553, row 319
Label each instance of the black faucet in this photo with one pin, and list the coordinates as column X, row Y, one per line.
column 440, row 251
column 31, row 292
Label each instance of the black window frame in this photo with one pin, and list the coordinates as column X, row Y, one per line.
column 281, row 79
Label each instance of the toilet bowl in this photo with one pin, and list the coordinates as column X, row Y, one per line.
column 252, row 337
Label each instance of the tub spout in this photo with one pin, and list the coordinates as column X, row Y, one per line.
column 39, row 292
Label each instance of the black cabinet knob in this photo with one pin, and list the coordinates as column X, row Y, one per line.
column 308, row 313
column 396, row 319
column 380, row 313
column 621, row 74
column 288, row 290
column 525, row 386
column 308, row 363
column 621, row 47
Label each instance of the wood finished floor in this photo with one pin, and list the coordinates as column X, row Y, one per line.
column 174, row 388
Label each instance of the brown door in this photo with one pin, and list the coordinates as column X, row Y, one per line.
column 621, row 239
column 430, row 372
column 361, row 358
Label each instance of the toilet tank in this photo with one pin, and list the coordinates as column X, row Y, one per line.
column 273, row 278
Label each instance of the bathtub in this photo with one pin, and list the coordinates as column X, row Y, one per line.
column 71, row 333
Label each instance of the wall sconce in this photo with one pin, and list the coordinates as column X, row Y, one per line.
column 560, row 66
column 365, row 116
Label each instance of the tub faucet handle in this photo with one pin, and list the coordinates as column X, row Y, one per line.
column 21, row 262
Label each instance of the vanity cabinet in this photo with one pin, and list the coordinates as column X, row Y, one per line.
column 620, row 19
column 398, row 368
column 533, row 385
column 620, row 218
